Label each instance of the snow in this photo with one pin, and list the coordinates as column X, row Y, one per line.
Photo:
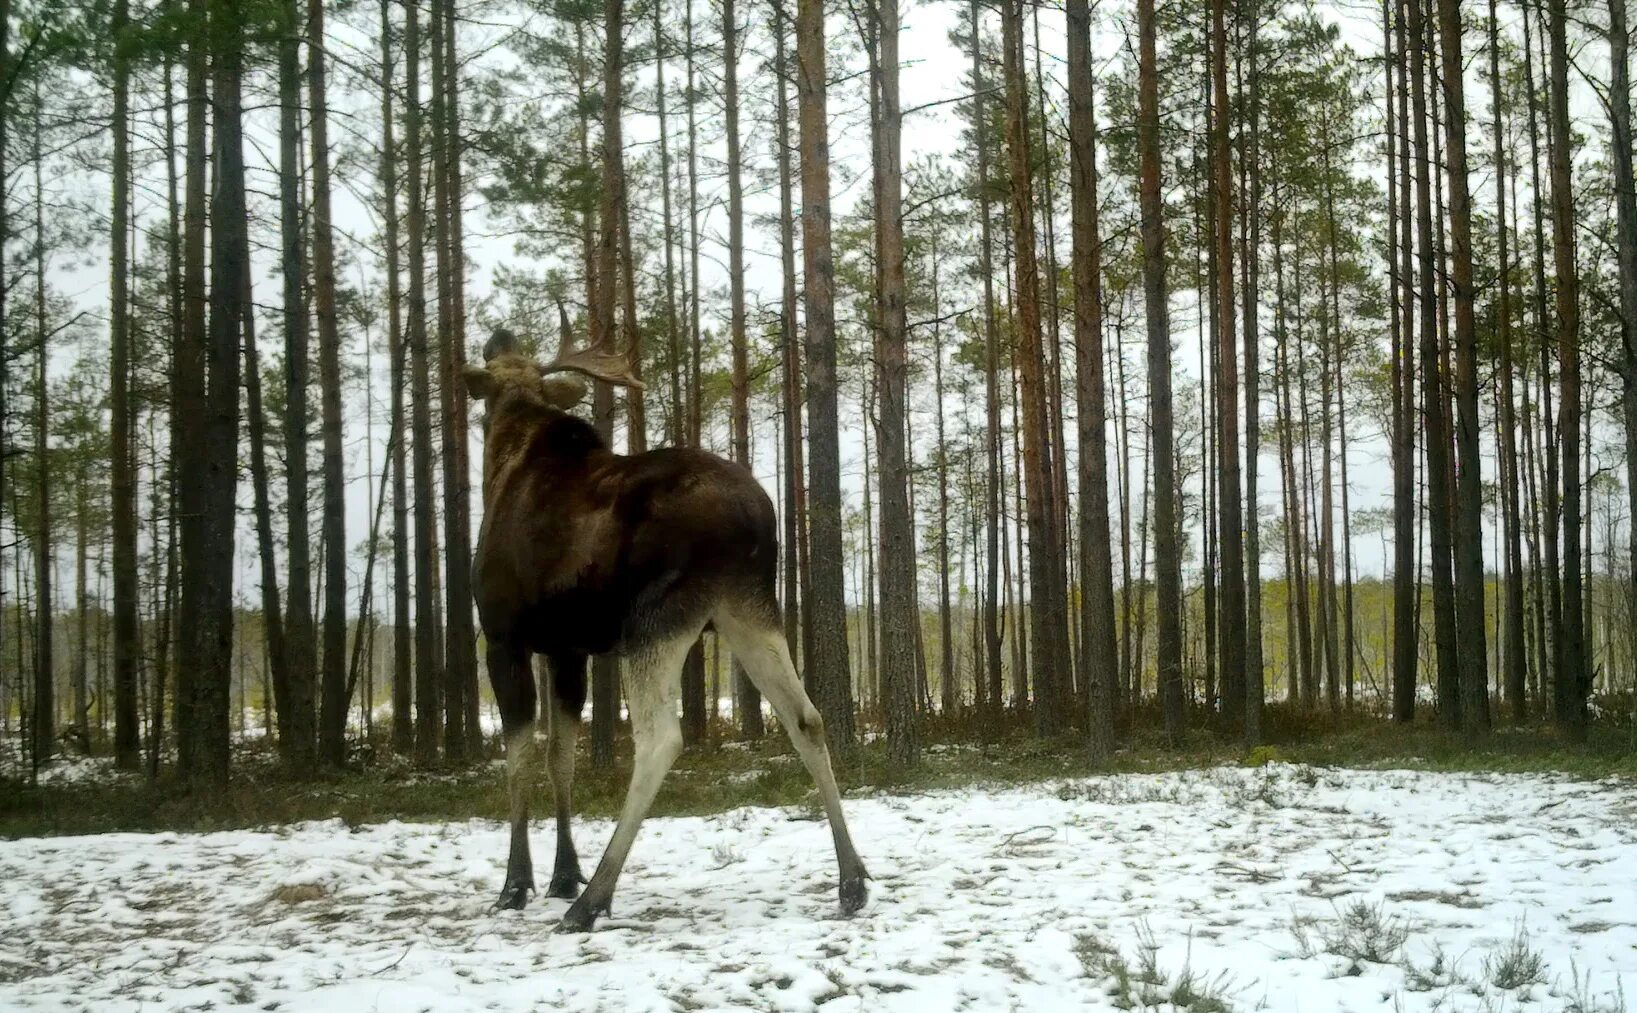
column 1281, row 887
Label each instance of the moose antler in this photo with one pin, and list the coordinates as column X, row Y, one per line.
column 609, row 367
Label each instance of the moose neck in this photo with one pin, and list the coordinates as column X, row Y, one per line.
column 524, row 433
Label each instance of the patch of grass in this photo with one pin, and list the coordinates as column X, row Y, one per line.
column 1146, row 985
column 1580, row 997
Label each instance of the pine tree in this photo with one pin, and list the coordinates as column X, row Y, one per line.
column 127, row 743
column 1097, row 576
column 828, row 659
column 1167, row 560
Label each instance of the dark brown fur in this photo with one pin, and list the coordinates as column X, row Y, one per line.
column 583, row 551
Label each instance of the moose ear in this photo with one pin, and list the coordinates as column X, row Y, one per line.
column 563, row 392
column 480, row 383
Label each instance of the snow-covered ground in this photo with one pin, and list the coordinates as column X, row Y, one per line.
column 1283, row 887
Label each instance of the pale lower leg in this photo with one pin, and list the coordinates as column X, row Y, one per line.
column 652, row 684
column 519, row 786
column 766, row 657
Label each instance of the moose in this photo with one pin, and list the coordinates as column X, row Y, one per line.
column 586, row 552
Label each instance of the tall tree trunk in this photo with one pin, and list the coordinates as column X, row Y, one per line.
column 212, row 636
column 694, row 718
column 1625, row 197
column 82, row 607
column 5, row 236
column 899, row 611
column 1063, row 558
column 829, row 656
column 796, row 563
column 1405, row 578
column 1250, row 241
column 428, row 658
column 45, row 696
column 461, row 648
column 127, row 738
column 1515, row 660
column 1330, row 363
column 1549, row 474
column 1432, row 408
column 297, row 730
column 1227, row 389
column 403, row 729
column 1097, row 578
column 750, row 700
column 1047, row 622
column 947, row 666
column 1167, row 560
column 1573, row 682
column 676, row 431
column 1471, row 648
column 272, row 614
column 187, row 400
column 991, row 598
column 693, row 668
column 332, row 737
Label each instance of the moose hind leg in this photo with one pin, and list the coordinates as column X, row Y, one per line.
column 759, row 644
column 653, row 679
column 513, row 686
column 563, row 700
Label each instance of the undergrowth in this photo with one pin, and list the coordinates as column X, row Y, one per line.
column 724, row 773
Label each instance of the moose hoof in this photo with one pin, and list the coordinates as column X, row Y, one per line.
column 581, row 916
column 514, row 897
column 854, row 893
column 565, row 885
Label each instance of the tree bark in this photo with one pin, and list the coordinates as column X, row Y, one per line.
column 1047, row 622
column 829, row 656
column 1471, row 648
column 796, row 562
column 127, row 736
column 403, row 728
column 297, row 730
column 332, row 738
column 1625, row 196
column 428, row 658
column 1573, row 682
column 1232, row 631
column 1250, row 242
column 272, row 615
column 900, row 614
column 212, row 636
column 1167, row 560
column 1097, row 578
column 45, row 694
column 1406, row 579
column 1515, row 671
column 1432, row 407
column 991, row 597
column 461, row 648
column 750, row 699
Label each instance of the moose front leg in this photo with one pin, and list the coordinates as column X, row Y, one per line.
column 513, row 686
column 563, row 699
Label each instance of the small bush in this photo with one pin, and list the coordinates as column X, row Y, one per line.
column 1516, row 964
column 1365, row 932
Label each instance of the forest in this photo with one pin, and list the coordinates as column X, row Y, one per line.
column 1121, row 373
